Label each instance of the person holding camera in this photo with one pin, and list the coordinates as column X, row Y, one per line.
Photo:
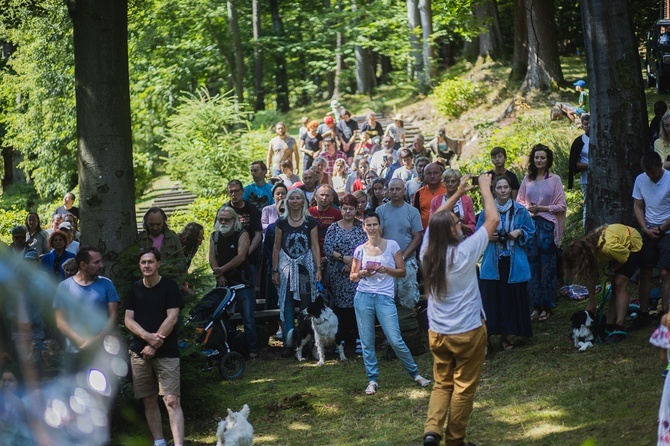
column 505, row 271
column 464, row 208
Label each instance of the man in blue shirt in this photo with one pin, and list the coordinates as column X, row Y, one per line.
column 258, row 193
column 86, row 305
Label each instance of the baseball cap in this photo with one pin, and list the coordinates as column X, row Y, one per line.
column 66, row 225
column 328, row 120
column 580, row 83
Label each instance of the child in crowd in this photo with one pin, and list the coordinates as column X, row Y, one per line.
column 661, row 338
column 499, row 159
column 407, row 171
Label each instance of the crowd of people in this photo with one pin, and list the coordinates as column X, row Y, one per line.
column 371, row 218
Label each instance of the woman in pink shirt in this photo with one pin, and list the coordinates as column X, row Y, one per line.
column 541, row 192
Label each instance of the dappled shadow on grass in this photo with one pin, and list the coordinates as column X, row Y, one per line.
column 547, row 393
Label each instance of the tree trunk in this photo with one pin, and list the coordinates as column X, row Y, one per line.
column 105, row 154
column 544, row 66
column 414, row 21
column 281, row 75
column 234, row 30
column 386, row 68
column 259, row 93
column 490, row 43
column 471, row 49
column 426, row 14
column 339, row 65
column 363, row 72
column 520, row 57
column 618, row 111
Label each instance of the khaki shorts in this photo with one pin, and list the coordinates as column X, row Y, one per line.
column 154, row 376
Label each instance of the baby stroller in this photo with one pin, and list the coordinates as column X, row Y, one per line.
column 213, row 332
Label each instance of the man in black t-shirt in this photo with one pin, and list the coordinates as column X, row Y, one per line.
column 228, row 251
column 349, row 132
column 250, row 217
column 152, row 310
column 371, row 126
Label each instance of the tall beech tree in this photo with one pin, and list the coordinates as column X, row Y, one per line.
column 544, row 65
column 104, row 141
column 618, row 111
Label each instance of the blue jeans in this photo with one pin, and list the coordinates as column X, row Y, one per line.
column 246, row 304
column 367, row 305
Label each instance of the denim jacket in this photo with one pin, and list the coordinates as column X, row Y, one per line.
column 519, row 268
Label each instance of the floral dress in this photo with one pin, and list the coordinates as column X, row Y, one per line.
column 343, row 241
column 661, row 338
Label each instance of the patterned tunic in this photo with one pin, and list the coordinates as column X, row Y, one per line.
column 343, row 241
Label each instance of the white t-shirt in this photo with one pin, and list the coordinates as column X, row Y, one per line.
column 380, row 283
column 461, row 309
column 377, row 160
column 656, row 197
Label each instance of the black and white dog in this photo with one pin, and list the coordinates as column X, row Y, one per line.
column 583, row 326
column 318, row 322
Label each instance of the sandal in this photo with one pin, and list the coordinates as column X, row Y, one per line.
column 506, row 345
column 544, row 316
column 423, row 382
column 616, row 335
column 431, row 439
column 371, row 389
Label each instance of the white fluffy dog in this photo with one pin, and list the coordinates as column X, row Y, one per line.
column 319, row 322
column 235, row 429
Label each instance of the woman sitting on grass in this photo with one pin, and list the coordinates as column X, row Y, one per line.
column 617, row 244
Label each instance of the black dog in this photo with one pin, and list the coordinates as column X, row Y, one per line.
column 318, row 322
column 583, row 327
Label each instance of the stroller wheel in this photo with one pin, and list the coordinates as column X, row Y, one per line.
column 231, row 365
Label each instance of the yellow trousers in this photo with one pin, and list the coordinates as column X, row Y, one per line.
column 458, row 360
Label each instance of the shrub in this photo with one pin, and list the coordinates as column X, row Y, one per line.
column 455, row 96
column 204, row 144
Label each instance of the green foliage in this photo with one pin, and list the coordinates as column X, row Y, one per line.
column 519, row 137
column 204, row 144
column 37, row 95
column 455, row 96
column 10, row 217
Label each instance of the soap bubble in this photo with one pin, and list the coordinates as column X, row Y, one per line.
column 60, row 396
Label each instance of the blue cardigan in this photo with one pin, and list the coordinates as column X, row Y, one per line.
column 48, row 260
column 519, row 268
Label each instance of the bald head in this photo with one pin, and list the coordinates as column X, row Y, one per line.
column 432, row 174
column 397, row 191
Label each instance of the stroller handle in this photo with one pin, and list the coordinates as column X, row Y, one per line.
column 236, row 287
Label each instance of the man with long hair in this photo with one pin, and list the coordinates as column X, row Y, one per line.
column 457, row 334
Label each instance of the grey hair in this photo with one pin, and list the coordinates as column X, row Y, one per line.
column 305, row 212
column 449, row 172
column 237, row 225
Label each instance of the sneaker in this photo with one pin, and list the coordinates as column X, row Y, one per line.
column 420, row 380
column 641, row 321
column 359, row 347
column 371, row 389
column 431, row 439
column 279, row 335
